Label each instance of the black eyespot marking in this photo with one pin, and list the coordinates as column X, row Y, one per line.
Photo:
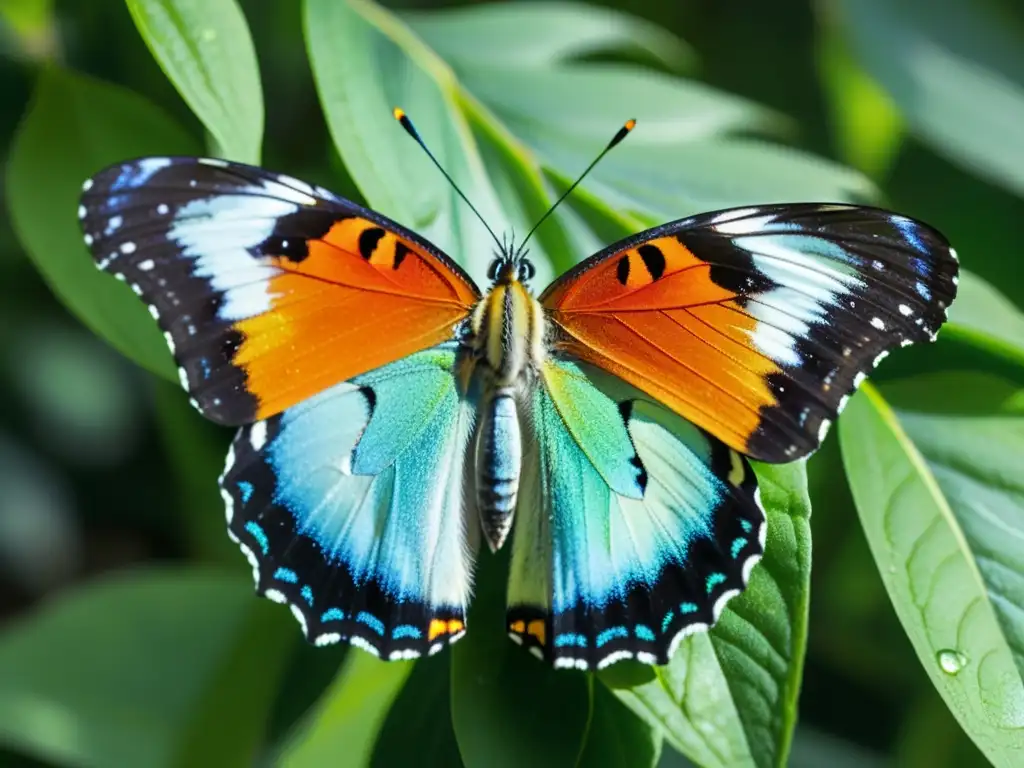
column 654, row 260
column 401, row 251
column 368, row 240
column 622, row 272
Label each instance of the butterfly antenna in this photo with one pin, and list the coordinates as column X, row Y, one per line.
column 622, row 133
column 406, row 123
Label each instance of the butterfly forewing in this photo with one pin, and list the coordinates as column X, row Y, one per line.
column 757, row 323
column 269, row 290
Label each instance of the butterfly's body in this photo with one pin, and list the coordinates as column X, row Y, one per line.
column 507, row 339
column 389, row 411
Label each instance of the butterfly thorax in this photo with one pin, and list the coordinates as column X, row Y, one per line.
column 508, row 332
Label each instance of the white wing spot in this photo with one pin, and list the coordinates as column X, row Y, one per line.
column 905, row 310
column 153, row 311
column 81, row 212
column 216, row 162
column 170, row 341
column 136, row 289
column 183, row 378
column 859, row 379
column 146, row 264
column 258, row 435
column 297, row 613
column 87, row 185
column 128, row 247
column 823, row 430
column 876, row 322
column 88, row 239
column 881, row 356
column 162, row 209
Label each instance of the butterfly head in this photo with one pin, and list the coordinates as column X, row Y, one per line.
column 510, row 266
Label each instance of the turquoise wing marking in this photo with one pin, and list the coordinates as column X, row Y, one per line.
column 601, row 572
column 350, row 507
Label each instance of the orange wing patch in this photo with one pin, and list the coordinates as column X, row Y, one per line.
column 362, row 297
column 653, row 316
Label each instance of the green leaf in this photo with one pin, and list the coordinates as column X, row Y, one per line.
column 74, row 127
column 572, row 102
column 729, row 696
column 956, row 72
column 617, row 738
column 540, row 34
column 418, row 728
column 349, row 716
column 116, row 672
column 366, row 62
column 926, row 559
column 205, row 49
column 868, row 131
column 505, row 702
column 983, row 316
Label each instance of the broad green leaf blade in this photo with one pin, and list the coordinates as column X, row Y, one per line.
column 617, row 738
column 572, row 102
column 74, row 127
column 729, row 696
column 956, row 72
column 345, row 724
column 205, row 49
column 227, row 726
column 506, row 703
column 678, row 160
column 366, row 62
column 933, row 580
column 976, row 461
column 983, row 316
column 672, row 182
column 418, row 728
column 113, row 673
column 540, row 34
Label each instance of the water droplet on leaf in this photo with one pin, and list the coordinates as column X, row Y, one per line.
column 950, row 661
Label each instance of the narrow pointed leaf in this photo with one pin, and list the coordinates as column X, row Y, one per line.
column 205, row 48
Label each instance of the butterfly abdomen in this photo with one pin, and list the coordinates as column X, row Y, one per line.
column 499, row 458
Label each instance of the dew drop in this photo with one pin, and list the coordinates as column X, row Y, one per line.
column 951, row 661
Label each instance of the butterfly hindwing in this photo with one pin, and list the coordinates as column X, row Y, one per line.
column 350, row 508
column 268, row 289
column 633, row 526
column 757, row 323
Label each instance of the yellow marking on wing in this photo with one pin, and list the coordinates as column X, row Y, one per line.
column 519, row 627
column 537, row 629
column 736, row 474
column 437, row 627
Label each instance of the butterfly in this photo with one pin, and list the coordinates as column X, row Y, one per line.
column 393, row 416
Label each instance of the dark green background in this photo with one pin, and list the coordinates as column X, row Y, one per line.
column 103, row 467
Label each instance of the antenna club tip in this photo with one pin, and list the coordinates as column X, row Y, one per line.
column 399, row 113
column 630, row 124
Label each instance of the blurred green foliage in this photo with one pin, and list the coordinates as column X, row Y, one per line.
column 129, row 634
